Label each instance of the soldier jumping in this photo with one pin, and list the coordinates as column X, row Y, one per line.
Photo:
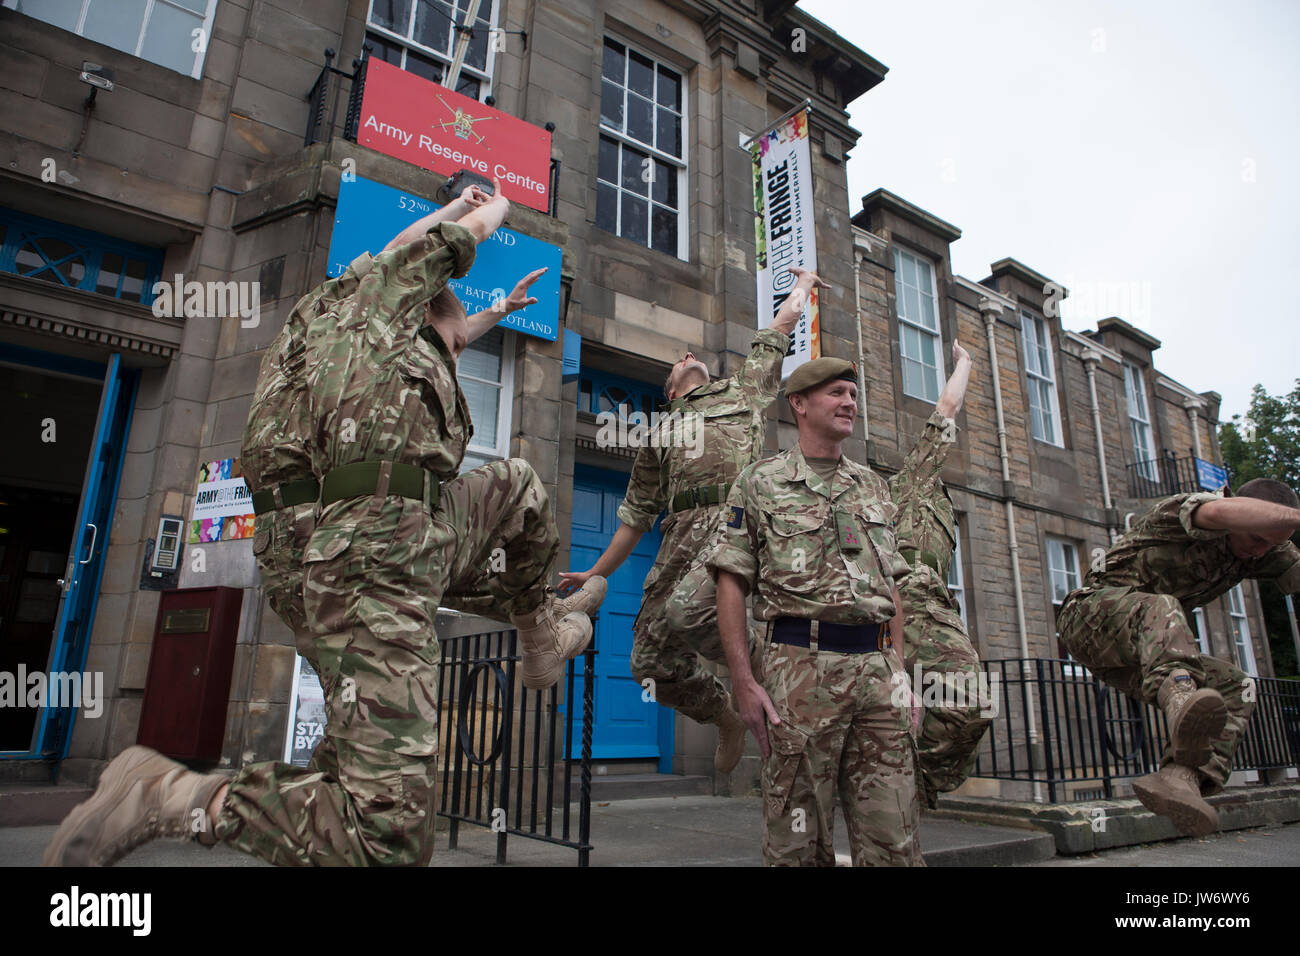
column 387, row 426
column 934, row 637
column 1129, row 624
column 724, row 420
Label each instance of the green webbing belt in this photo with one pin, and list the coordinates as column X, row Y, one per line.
column 700, row 497
column 362, row 478
column 910, row 555
column 291, row 493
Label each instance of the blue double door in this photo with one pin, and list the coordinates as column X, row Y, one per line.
column 626, row 725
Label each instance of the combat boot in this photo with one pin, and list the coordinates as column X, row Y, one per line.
column 548, row 641
column 1175, row 792
column 731, row 740
column 586, row 600
column 1195, row 717
column 141, row 796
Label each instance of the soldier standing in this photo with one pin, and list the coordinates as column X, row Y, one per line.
column 724, row 422
column 934, row 637
column 811, row 532
column 1129, row 625
column 396, row 532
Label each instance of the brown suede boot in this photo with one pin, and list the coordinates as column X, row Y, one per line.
column 1175, row 792
column 731, row 740
column 586, row 600
column 547, row 642
column 1195, row 717
column 141, row 796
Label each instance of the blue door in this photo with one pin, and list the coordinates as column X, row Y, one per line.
column 626, row 726
column 85, row 567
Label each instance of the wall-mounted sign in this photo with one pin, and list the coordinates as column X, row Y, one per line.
column 369, row 215
column 306, row 715
column 1210, row 476
column 784, row 231
column 420, row 122
column 223, row 505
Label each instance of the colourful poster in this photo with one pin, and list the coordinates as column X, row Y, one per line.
column 223, row 505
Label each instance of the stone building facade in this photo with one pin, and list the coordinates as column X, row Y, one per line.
column 194, row 165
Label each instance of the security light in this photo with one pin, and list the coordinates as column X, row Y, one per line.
column 100, row 77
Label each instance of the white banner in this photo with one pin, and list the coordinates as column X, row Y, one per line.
column 784, row 231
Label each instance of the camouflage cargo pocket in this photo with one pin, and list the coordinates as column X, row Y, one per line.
column 781, row 768
column 795, row 550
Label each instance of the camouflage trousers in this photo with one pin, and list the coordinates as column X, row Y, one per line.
column 377, row 570
column 1132, row 641
column 935, row 642
column 677, row 629
column 278, row 541
column 840, row 734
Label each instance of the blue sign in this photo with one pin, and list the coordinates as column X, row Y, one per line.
column 1209, row 476
column 369, row 215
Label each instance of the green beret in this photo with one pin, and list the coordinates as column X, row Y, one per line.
column 814, row 373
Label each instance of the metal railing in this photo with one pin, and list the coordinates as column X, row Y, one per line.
column 1163, row 476
column 508, row 752
column 1091, row 735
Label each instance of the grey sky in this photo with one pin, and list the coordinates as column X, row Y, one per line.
column 1146, row 158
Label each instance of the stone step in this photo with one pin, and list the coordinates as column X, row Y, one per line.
column 30, row 805
column 636, row 786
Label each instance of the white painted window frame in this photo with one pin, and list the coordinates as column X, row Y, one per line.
column 484, row 76
column 196, row 71
column 956, row 580
column 1241, row 637
column 1036, row 380
column 682, row 163
column 937, row 372
column 505, row 400
column 1139, row 421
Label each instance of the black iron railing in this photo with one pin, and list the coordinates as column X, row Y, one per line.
column 1163, row 476
column 1090, row 736
column 324, row 97
column 508, row 753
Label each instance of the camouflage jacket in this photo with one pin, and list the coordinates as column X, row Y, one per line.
column 1165, row 553
column 812, row 550
column 926, row 521
column 709, row 435
column 275, row 447
column 381, row 384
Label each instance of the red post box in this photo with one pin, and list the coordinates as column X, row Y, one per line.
column 188, row 688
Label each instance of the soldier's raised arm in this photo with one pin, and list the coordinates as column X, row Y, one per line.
column 480, row 322
column 760, row 377
column 925, row 461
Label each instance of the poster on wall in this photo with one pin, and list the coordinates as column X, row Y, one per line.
column 306, row 715
column 784, row 230
column 370, row 213
column 223, row 505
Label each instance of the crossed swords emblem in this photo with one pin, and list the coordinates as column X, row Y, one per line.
column 462, row 124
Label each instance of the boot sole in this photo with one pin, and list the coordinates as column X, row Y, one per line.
column 552, row 674
column 1191, row 818
column 113, row 785
column 584, row 602
column 1199, row 724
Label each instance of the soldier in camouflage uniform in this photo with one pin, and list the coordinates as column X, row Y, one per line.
column 397, row 532
column 934, row 637
column 1129, row 625
column 811, row 531
column 722, row 424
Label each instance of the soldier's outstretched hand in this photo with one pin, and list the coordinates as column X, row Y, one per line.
column 814, row 279
column 519, row 297
column 571, row 581
column 959, row 353
column 756, row 710
column 474, row 197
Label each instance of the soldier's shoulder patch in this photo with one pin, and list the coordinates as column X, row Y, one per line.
column 737, row 517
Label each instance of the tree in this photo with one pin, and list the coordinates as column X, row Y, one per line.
column 1267, row 445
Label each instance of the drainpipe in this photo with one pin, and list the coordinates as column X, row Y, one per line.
column 860, row 246
column 1192, row 404
column 1091, row 359
column 989, row 312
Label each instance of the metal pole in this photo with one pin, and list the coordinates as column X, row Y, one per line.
column 805, row 104
column 462, row 45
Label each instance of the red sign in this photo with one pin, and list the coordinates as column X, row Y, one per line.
column 420, row 122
